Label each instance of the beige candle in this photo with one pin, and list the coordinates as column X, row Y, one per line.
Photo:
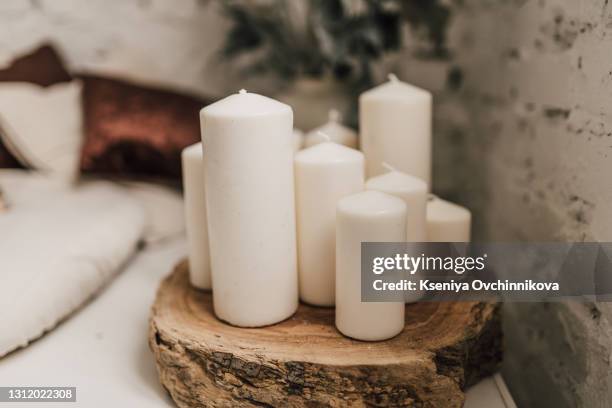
column 413, row 191
column 323, row 174
column 298, row 139
column 447, row 222
column 395, row 127
column 334, row 130
column 251, row 208
column 195, row 216
column 369, row 216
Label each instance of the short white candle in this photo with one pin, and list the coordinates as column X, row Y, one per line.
column 395, row 127
column 251, row 208
column 413, row 191
column 323, row 174
column 447, row 222
column 298, row 139
column 195, row 216
column 335, row 130
column 369, row 216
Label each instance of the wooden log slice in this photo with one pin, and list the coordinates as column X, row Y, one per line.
column 305, row 361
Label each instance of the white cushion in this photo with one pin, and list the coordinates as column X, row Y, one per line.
column 57, row 250
column 42, row 127
column 163, row 207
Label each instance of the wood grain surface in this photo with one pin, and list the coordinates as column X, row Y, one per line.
column 305, row 361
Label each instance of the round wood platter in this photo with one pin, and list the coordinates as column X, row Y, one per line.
column 305, row 361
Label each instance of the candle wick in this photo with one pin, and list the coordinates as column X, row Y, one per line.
column 334, row 115
column 324, row 135
column 242, row 91
column 392, row 77
column 388, row 166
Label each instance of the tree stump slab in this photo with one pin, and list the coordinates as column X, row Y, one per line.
column 305, row 362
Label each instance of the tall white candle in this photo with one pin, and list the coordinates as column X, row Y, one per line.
column 251, row 208
column 395, row 127
column 369, row 216
column 333, row 129
column 195, row 216
column 323, row 174
column 413, row 191
column 447, row 222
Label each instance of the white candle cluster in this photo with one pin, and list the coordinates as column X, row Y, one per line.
column 269, row 222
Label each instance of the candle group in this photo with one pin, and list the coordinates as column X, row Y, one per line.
column 269, row 223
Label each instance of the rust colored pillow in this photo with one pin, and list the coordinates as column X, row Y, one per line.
column 43, row 67
column 136, row 131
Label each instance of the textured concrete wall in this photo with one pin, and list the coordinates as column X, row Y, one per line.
column 524, row 138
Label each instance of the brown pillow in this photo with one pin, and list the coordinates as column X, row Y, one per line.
column 134, row 130
column 43, row 67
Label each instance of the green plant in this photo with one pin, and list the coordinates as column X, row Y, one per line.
column 314, row 38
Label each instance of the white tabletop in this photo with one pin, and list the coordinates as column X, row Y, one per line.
column 102, row 350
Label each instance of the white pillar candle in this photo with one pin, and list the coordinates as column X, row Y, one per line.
column 298, row 139
column 395, row 127
column 369, row 216
column 447, row 222
column 323, row 174
column 335, row 130
column 413, row 191
column 251, row 208
column 195, row 216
